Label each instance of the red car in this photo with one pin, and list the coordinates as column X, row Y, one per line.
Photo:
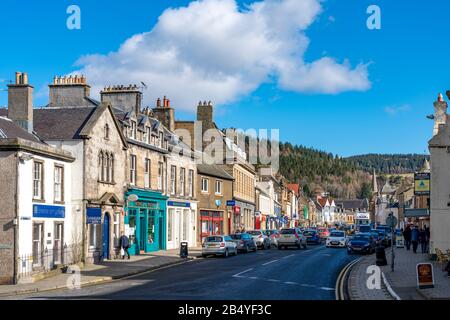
column 323, row 233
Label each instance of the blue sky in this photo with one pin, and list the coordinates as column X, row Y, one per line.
column 407, row 65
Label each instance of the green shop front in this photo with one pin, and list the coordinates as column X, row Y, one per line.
column 145, row 220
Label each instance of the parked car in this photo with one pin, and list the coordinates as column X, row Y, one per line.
column 336, row 239
column 376, row 236
column 219, row 245
column 244, row 242
column 261, row 239
column 291, row 237
column 273, row 236
column 362, row 243
column 364, row 228
column 388, row 232
column 312, row 236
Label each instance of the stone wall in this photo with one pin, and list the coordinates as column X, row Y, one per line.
column 8, row 187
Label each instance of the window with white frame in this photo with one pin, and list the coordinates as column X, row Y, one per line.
column 205, row 185
column 218, row 189
column 133, row 169
column 38, row 182
column 94, row 235
column 133, row 130
column 182, row 181
column 173, row 178
column 147, row 173
column 148, row 134
column 191, row 183
column 160, row 175
column 58, row 191
column 116, row 228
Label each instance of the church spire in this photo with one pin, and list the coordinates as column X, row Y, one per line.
column 374, row 183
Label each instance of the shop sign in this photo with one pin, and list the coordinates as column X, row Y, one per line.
column 46, row 211
column 422, row 184
column 178, row 204
column 425, row 276
column 94, row 216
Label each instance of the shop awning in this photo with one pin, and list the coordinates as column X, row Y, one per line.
column 416, row 213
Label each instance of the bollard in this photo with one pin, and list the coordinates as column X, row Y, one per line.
column 381, row 256
column 183, row 250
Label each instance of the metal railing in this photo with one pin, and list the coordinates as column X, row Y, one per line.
column 48, row 259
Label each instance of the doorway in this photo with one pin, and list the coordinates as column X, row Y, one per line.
column 106, row 236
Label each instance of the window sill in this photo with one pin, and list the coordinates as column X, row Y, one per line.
column 59, row 202
column 105, row 182
column 38, row 200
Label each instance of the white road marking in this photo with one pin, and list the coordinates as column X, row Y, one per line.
column 308, row 285
column 265, row 264
column 289, row 282
column 326, row 288
column 273, row 280
column 288, row 256
column 253, row 278
column 240, row 273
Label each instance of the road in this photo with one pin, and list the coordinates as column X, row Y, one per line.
column 263, row 275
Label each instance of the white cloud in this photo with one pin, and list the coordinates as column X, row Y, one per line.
column 214, row 50
column 394, row 110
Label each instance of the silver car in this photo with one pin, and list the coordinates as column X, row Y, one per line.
column 273, row 236
column 219, row 245
column 291, row 237
column 261, row 239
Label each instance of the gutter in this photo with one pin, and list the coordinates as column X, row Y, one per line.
column 16, row 227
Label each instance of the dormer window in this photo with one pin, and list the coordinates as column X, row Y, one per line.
column 106, row 131
column 133, row 130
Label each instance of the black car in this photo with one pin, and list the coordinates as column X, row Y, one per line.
column 244, row 242
column 362, row 243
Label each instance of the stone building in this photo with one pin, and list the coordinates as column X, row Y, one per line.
column 182, row 213
column 39, row 223
column 268, row 181
column 230, row 157
column 439, row 146
column 74, row 122
column 214, row 186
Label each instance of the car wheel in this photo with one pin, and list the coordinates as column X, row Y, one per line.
column 204, row 255
column 246, row 249
column 305, row 246
column 299, row 246
column 235, row 251
column 226, row 254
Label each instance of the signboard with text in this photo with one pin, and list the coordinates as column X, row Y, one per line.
column 425, row 276
column 93, row 215
column 422, row 184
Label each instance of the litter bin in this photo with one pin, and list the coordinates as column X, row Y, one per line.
column 183, row 250
column 381, row 256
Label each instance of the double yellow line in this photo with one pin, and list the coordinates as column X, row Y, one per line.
column 340, row 282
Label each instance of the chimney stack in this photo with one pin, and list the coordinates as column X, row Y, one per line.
column 165, row 114
column 70, row 91
column 20, row 102
column 125, row 98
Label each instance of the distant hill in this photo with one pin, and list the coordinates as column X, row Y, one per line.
column 389, row 163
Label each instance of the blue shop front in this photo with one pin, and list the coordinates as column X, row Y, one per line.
column 145, row 220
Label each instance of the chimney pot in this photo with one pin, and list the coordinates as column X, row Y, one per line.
column 18, row 76
column 168, row 103
column 158, row 103
column 24, row 78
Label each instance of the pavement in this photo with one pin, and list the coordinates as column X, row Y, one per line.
column 290, row 274
column 104, row 272
column 402, row 282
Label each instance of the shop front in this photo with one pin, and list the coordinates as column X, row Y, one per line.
column 211, row 223
column 145, row 221
column 181, row 223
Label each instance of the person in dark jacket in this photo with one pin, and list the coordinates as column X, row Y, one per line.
column 423, row 240
column 124, row 243
column 407, row 237
column 415, row 238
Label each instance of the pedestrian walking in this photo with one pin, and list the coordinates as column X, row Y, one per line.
column 407, row 237
column 124, row 244
column 415, row 238
column 423, row 240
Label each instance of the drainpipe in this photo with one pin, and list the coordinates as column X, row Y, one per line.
column 16, row 226
column 83, row 209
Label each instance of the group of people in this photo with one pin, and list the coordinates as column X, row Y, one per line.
column 416, row 236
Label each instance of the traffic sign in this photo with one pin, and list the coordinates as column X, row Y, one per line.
column 231, row 203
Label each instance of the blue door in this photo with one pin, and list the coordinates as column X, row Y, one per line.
column 106, row 236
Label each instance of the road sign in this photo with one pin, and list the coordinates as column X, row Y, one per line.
column 231, row 203
column 391, row 221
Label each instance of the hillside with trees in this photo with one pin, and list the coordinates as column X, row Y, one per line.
column 389, row 163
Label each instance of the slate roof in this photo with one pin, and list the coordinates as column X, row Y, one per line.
column 214, row 171
column 352, row 203
column 9, row 130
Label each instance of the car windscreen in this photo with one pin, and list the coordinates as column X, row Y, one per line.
column 269, row 232
column 337, row 234
column 214, row 239
column 309, row 233
column 287, row 231
column 361, row 238
column 254, row 233
column 236, row 236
